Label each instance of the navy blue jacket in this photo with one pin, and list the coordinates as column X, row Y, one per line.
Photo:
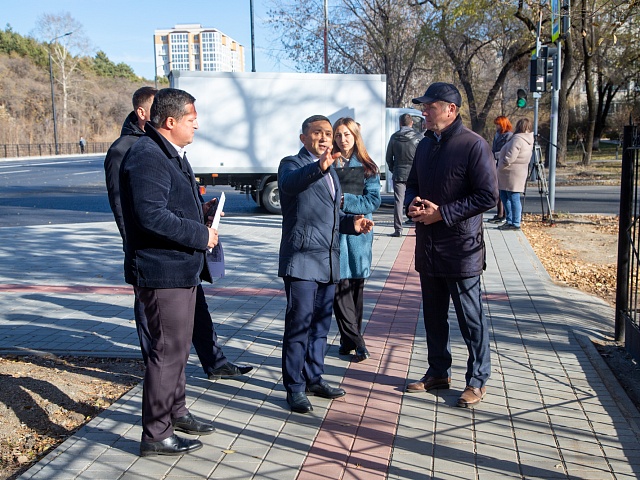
column 311, row 220
column 166, row 237
column 457, row 173
column 129, row 135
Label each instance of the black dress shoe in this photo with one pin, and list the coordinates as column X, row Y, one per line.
column 173, row 445
column 188, row 424
column 229, row 370
column 324, row 390
column 299, row 402
column 344, row 350
column 396, row 234
column 361, row 354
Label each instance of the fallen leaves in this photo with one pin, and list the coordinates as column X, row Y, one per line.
column 571, row 266
column 43, row 400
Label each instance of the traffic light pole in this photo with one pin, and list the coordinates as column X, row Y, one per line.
column 553, row 149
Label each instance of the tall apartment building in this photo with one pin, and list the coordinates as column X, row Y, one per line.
column 193, row 47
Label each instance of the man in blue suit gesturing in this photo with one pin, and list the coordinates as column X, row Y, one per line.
column 309, row 264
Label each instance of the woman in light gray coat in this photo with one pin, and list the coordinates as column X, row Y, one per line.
column 513, row 168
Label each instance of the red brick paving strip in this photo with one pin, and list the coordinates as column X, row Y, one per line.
column 357, row 434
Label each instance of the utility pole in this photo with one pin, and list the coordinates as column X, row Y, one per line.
column 253, row 43
column 560, row 27
column 326, row 31
column 53, row 98
column 553, row 141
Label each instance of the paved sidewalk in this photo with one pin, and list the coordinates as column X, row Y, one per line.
column 553, row 410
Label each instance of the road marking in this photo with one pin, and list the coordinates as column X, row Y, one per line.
column 64, row 162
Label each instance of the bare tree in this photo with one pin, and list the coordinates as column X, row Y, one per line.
column 484, row 46
column 66, row 50
column 600, row 23
column 365, row 36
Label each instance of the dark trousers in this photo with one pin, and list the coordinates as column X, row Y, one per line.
column 467, row 301
column 347, row 307
column 398, row 210
column 306, row 324
column 169, row 313
column 204, row 337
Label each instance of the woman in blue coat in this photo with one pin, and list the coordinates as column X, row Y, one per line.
column 360, row 184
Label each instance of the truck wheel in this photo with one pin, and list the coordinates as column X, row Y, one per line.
column 271, row 198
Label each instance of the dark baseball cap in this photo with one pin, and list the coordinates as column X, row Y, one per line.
column 440, row 91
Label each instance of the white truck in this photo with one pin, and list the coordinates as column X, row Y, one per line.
column 248, row 122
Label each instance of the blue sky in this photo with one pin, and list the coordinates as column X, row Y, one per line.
column 123, row 29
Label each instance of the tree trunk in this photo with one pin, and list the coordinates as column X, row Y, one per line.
column 587, row 45
column 563, row 101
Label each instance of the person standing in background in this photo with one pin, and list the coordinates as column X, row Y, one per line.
column 400, row 152
column 355, row 250
column 513, row 168
column 504, row 131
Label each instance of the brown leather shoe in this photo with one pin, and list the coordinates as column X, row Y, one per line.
column 471, row 396
column 427, row 383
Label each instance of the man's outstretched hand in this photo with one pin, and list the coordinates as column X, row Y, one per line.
column 327, row 158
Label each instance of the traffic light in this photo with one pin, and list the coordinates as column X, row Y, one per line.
column 522, row 98
column 541, row 71
column 551, row 53
column 546, row 57
column 537, row 80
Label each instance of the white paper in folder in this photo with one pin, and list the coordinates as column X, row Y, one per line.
column 216, row 217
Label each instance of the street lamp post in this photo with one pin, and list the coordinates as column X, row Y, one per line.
column 53, row 100
column 253, row 43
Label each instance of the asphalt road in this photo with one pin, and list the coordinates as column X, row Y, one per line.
column 71, row 189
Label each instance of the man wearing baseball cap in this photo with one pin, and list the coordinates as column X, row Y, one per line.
column 452, row 182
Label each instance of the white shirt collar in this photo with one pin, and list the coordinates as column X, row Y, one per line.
column 180, row 150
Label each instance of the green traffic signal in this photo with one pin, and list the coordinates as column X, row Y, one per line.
column 522, row 98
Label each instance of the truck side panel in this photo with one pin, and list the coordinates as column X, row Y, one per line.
column 248, row 122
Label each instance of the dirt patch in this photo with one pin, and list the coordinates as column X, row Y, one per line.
column 43, row 400
column 578, row 250
column 581, row 251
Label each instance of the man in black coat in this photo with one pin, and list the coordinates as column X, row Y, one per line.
column 452, row 182
column 309, row 261
column 205, row 340
column 400, row 152
column 166, row 240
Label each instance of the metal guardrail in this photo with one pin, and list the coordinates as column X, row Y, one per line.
column 39, row 149
column 627, row 326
